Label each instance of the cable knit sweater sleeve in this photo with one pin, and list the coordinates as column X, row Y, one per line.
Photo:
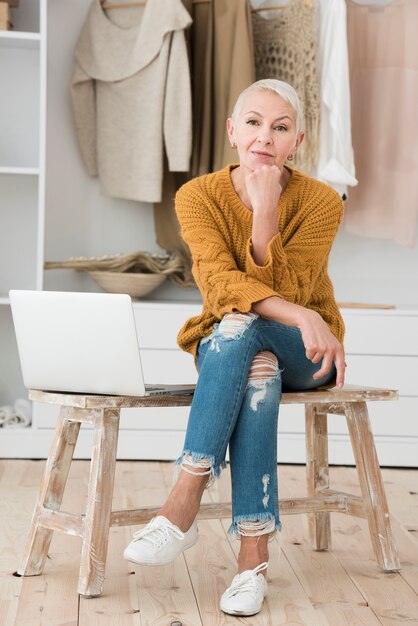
column 224, row 288
column 296, row 258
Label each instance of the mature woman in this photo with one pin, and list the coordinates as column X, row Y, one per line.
column 260, row 234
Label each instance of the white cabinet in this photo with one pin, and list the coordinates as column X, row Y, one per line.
column 381, row 351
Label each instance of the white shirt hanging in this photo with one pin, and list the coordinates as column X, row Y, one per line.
column 336, row 160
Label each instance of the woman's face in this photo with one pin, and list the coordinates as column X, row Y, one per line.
column 265, row 130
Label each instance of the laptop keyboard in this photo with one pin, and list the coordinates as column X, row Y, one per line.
column 154, row 388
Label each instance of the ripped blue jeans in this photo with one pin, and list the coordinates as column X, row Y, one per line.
column 243, row 366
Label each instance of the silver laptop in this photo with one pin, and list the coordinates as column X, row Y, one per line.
column 81, row 343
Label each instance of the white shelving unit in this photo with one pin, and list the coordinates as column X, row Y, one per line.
column 22, row 175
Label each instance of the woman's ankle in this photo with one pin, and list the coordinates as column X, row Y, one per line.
column 250, row 563
column 182, row 505
column 253, row 551
column 180, row 519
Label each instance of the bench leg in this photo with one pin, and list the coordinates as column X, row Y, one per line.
column 317, row 474
column 99, row 503
column 50, row 493
column 371, row 483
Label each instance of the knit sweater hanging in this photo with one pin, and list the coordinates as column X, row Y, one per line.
column 284, row 48
column 217, row 228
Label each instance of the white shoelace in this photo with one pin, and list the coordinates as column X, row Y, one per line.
column 248, row 583
column 158, row 536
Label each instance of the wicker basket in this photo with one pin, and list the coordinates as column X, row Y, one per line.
column 132, row 283
column 172, row 265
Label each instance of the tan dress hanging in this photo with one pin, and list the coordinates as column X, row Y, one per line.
column 383, row 54
column 284, row 48
column 222, row 65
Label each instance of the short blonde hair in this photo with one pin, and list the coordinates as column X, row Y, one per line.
column 279, row 87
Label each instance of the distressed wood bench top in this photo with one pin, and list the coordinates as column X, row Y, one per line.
column 350, row 393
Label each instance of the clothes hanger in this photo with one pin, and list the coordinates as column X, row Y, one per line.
column 309, row 4
column 124, row 5
column 121, row 5
column 274, row 8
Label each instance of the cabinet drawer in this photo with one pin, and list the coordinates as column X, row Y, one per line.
column 394, row 372
column 371, row 333
column 158, row 327
column 398, row 418
column 381, row 334
column 170, row 367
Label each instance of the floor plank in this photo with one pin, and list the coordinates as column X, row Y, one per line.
column 165, row 593
column 212, row 565
column 8, row 611
column 287, row 601
column 344, row 616
column 333, row 593
column 119, row 601
column 389, row 596
column 51, row 599
column 16, row 505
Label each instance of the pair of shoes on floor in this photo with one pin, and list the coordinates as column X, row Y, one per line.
column 160, row 542
column 246, row 593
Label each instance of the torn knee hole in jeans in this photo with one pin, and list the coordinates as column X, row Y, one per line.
column 264, row 369
column 233, row 325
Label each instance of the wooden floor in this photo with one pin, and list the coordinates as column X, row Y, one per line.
column 339, row 588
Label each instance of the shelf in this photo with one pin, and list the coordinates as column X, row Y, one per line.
column 18, row 39
column 4, row 300
column 25, row 171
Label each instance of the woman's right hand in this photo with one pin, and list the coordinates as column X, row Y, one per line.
column 264, row 190
column 321, row 344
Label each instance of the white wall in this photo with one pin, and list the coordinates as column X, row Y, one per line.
column 374, row 271
column 81, row 221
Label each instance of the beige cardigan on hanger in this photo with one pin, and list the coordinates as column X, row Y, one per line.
column 131, row 98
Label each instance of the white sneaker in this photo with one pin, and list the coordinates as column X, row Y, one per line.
column 246, row 594
column 160, row 542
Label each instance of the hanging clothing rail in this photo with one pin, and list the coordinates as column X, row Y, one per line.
column 125, row 5
column 122, row 5
column 273, row 8
column 309, row 4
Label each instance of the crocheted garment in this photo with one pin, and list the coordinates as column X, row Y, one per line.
column 284, row 48
column 217, row 228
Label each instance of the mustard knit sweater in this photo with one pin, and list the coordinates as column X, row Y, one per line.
column 217, row 226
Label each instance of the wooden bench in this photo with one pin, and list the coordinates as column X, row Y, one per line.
column 103, row 413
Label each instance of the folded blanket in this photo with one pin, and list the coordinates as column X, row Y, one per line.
column 17, row 416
